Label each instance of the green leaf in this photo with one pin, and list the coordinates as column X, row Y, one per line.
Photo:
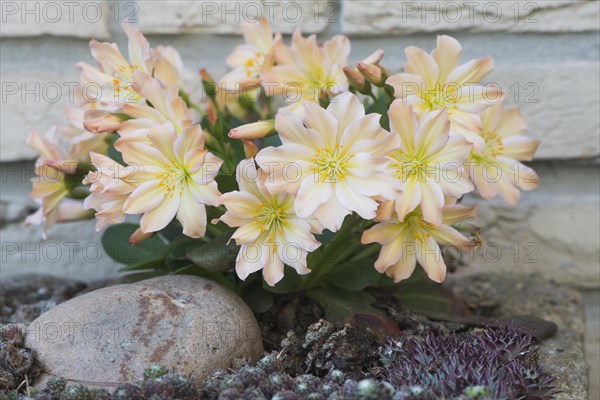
column 274, row 141
column 340, row 305
column 115, row 242
column 258, row 299
column 192, row 269
column 215, row 255
column 113, row 153
column 171, row 231
column 429, row 298
column 355, row 307
column 140, row 276
column 226, row 182
column 355, row 275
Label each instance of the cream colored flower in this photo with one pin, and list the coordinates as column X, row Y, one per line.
column 269, row 231
column 81, row 140
column 112, row 82
column 248, row 60
column 175, row 179
column 429, row 163
column 436, row 81
column 307, row 71
column 335, row 162
column 49, row 183
column 496, row 169
column 111, row 185
column 168, row 66
column 414, row 239
column 165, row 107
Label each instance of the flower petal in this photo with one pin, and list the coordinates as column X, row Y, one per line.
column 521, row 148
column 433, row 133
column 311, row 195
column 248, row 261
column 409, row 199
column 430, row 258
column 323, row 122
column 422, row 64
column 192, row 215
column 432, row 201
column 447, row 55
column 346, row 108
column 472, row 71
column 363, row 205
column 145, row 197
column 403, row 122
column 156, row 219
column 331, row 214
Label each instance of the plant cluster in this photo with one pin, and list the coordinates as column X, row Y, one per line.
column 294, row 164
column 491, row 364
column 482, row 364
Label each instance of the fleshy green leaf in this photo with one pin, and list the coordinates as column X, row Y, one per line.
column 216, row 255
column 355, row 275
column 115, row 242
column 431, row 299
column 226, row 182
column 218, row 277
column 355, row 307
column 258, row 299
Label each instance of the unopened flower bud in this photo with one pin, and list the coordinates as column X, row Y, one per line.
column 211, row 113
column 357, row 80
column 373, row 73
column 210, row 87
column 255, row 130
column 139, row 236
column 374, row 58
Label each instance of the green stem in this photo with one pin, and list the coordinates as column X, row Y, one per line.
column 333, row 253
column 366, row 253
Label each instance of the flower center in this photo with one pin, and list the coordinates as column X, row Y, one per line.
column 173, row 180
column 271, row 217
column 122, row 82
column 418, row 226
column 408, row 166
column 330, row 166
column 253, row 65
column 493, row 145
column 440, row 96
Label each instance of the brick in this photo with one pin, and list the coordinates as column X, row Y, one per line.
column 385, row 17
column 82, row 19
column 560, row 101
column 223, row 17
column 552, row 232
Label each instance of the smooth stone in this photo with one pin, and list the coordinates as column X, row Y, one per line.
column 109, row 336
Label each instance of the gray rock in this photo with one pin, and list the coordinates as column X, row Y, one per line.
column 109, row 336
column 530, row 294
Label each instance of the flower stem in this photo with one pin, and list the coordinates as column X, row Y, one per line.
column 333, row 253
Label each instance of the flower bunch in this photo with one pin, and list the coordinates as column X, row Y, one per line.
column 293, row 158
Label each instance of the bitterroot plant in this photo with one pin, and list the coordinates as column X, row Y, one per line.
column 308, row 164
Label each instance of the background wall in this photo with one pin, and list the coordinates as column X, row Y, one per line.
column 546, row 55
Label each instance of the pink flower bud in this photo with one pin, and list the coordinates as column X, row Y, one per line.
column 255, row 130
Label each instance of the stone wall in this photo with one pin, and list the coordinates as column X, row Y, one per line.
column 546, row 55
